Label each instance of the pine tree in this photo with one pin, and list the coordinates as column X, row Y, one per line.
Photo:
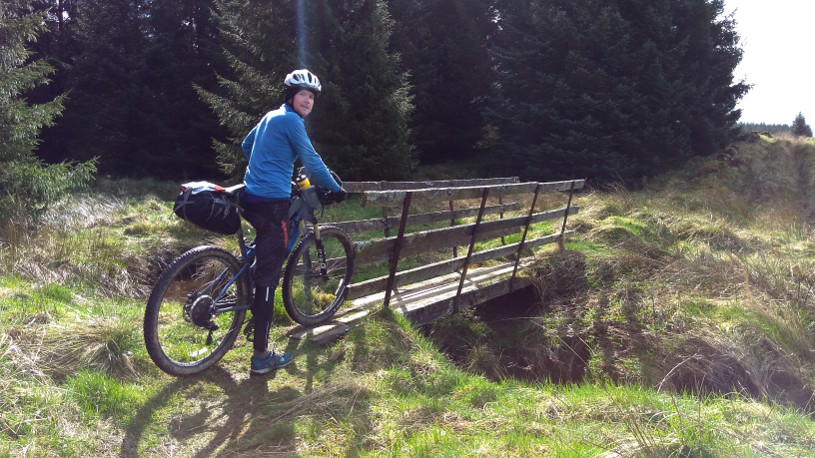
column 563, row 90
column 359, row 125
column 610, row 89
column 27, row 185
column 104, row 84
column 800, row 128
column 58, row 46
column 257, row 44
column 709, row 53
column 444, row 44
column 174, row 127
column 132, row 101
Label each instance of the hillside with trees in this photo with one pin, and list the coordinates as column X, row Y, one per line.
column 798, row 128
column 772, row 129
column 544, row 89
column 675, row 320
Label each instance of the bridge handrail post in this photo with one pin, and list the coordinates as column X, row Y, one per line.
column 386, row 222
column 560, row 241
column 394, row 260
column 453, row 223
column 501, row 215
column 484, row 196
column 523, row 237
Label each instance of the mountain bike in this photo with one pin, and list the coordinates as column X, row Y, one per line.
column 198, row 305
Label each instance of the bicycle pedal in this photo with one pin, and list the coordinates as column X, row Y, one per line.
column 249, row 330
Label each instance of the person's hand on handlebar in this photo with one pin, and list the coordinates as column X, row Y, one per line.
column 339, row 196
column 327, row 197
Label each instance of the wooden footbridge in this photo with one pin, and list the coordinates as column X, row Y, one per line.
column 481, row 242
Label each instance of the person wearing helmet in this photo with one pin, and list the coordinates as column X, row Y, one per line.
column 272, row 148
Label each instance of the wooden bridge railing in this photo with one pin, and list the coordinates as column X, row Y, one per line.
column 386, row 223
column 408, row 195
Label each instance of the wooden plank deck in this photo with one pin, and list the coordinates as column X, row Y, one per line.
column 422, row 302
column 432, row 291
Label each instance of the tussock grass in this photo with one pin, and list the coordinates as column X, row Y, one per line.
column 701, row 282
column 113, row 245
column 104, row 344
column 677, row 321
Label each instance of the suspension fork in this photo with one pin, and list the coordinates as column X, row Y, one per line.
column 318, row 242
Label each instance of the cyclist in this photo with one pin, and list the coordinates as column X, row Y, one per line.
column 272, row 148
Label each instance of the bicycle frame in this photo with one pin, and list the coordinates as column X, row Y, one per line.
column 248, row 253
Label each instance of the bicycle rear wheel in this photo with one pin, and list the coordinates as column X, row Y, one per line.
column 183, row 330
column 309, row 296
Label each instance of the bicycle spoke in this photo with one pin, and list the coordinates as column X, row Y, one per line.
column 183, row 332
column 312, row 294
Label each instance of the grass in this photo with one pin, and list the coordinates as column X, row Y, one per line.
column 678, row 321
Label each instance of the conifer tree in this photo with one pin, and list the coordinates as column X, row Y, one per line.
column 132, row 101
column 256, row 38
column 362, row 123
column 608, row 89
column 359, row 125
column 444, row 45
column 26, row 184
column 563, row 90
column 174, row 126
column 800, row 128
column 104, row 85
column 57, row 46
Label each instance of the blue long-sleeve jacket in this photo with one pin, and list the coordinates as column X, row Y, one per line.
column 272, row 147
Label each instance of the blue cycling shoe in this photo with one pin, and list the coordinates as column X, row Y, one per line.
column 272, row 362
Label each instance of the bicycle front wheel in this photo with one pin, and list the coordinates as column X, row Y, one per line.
column 312, row 295
column 185, row 330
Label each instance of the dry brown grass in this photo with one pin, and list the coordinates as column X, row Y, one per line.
column 59, row 350
column 701, row 282
column 101, row 242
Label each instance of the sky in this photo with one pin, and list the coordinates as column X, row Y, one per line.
column 777, row 38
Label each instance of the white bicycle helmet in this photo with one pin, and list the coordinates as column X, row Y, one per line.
column 303, row 79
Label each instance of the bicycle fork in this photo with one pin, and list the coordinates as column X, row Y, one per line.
column 321, row 261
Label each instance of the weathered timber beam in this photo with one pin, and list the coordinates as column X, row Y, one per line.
column 362, row 186
column 441, row 305
column 380, row 223
column 422, row 305
column 361, row 289
column 420, row 242
column 396, row 197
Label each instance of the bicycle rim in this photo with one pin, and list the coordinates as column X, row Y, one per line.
column 311, row 297
column 184, row 334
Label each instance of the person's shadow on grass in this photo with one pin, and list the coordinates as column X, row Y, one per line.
column 218, row 421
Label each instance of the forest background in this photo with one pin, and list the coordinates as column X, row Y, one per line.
column 606, row 90
column 690, row 300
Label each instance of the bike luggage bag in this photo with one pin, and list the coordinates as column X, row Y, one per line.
column 208, row 206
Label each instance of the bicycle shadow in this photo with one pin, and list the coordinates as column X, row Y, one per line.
column 247, row 416
column 228, row 419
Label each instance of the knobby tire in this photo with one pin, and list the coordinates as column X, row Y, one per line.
column 309, row 297
column 177, row 321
